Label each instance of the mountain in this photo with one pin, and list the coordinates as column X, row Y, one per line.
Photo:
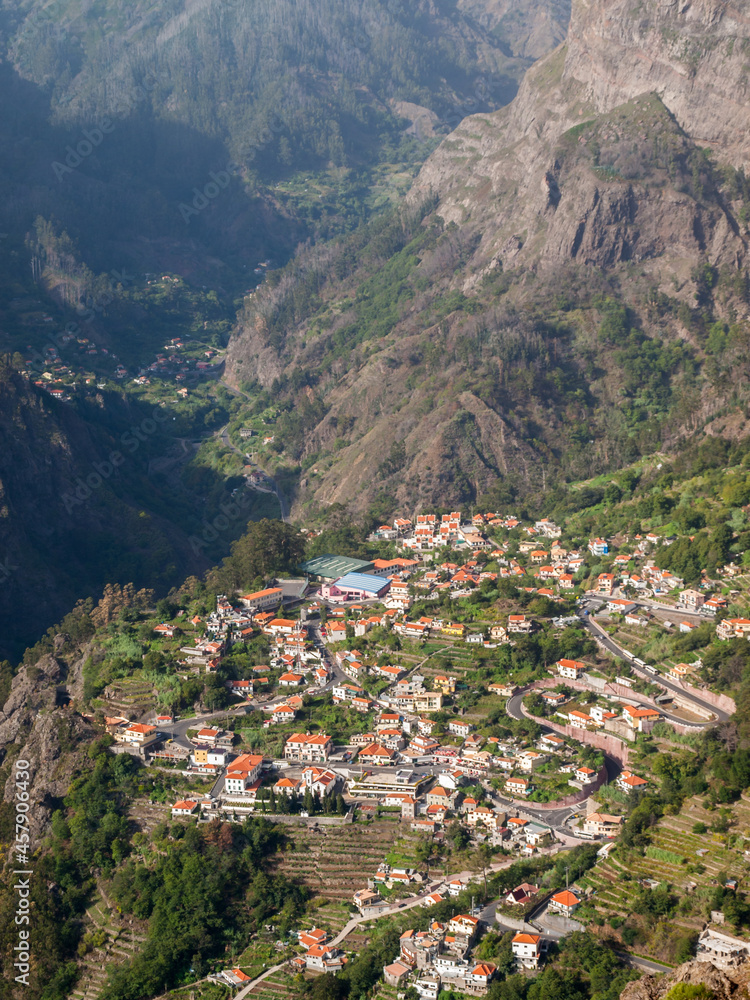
column 601, row 158
column 156, row 160
column 564, row 291
column 115, row 122
column 89, row 495
column 528, row 29
column 691, row 979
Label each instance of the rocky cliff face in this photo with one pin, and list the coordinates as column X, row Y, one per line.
column 530, row 28
column 446, row 363
column 692, row 53
column 34, row 727
column 731, row 985
column 594, row 160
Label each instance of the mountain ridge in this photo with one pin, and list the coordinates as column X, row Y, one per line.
column 515, row 186
column 558, row 211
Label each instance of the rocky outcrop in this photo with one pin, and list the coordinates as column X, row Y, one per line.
column 595, row 160
column 34, row 728
column 594, row 183
column 691, row 53
column 530, row 28
column 730, row 985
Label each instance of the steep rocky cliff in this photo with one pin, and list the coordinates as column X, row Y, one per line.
column 692, row 53
column 729, row 985
column 430, row 366
column 593, row 161
column 530, row 28
column 35, row 727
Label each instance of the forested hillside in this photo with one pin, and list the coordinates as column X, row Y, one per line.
column 99, row 493
column 565, row 290
column 298, row 120
column 320, row 76
column 115, row 120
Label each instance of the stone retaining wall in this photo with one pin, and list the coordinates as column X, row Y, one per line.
column 609, row 744
column 570, row 800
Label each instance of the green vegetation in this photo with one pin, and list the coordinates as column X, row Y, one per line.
column 584, row 969
column 210, row 885
column 690, row 991
column 661, row 855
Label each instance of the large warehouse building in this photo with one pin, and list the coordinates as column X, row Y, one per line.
column 355, row 587
column 328, row 568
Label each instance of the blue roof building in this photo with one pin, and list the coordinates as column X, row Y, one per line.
column 356, row 587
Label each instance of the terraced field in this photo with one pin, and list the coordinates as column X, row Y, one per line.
column 338, row 860
column 129, row 696
column 673, row 859
column 385, row 992
column 278, row 986
column 331, row 915
column 113, row 939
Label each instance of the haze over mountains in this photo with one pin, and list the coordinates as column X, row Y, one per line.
column 561, row 290
column 112, row 124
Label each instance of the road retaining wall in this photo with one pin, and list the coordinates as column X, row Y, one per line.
column 609, row 744
column 570, row 800
column 721, row 701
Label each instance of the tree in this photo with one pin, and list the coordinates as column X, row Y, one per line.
column 267, row 547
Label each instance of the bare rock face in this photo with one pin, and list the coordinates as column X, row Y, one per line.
column 595, row 160
column 730, row 985
column 530, row 28
column 692, row 53
column 34, row 729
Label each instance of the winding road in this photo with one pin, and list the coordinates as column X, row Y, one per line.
column 611, row 646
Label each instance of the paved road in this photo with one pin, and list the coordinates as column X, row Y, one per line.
column 643, row 963
column 489, row 916
column 554, row 925
column 646, row 602
column 598, row 632
column 259, row 979
column 555, row 818
column 178, row 730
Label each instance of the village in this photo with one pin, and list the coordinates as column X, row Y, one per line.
column 356, row 638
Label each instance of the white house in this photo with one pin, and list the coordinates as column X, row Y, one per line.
column 186, row 807
column 586, row 775
column 527, row 949
column 571, row 669
column 565, row 902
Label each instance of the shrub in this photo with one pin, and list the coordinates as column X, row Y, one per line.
column 690, row 991
column 629, row 935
